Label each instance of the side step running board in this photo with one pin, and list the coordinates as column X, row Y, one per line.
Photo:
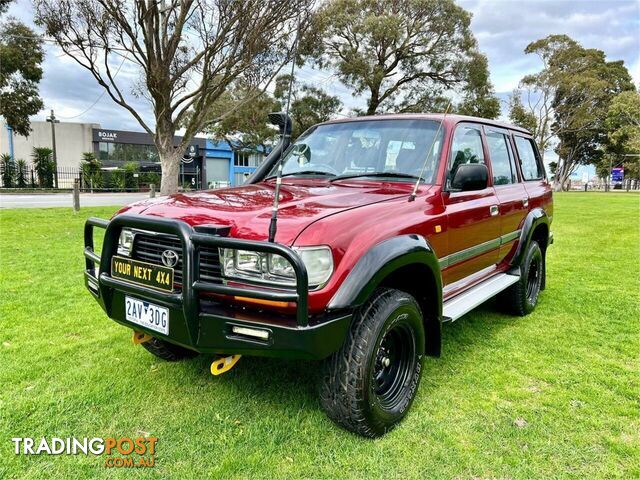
column 463, row 303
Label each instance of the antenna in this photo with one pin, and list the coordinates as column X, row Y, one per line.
column 412, row 197
column 273, row 225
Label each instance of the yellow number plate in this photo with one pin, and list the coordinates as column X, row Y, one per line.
column 146, row 274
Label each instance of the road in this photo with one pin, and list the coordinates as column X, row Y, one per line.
column 47, row 200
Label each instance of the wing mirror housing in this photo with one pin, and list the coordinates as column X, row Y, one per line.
column 470, row 176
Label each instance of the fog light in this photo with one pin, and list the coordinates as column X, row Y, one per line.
column 251, row 332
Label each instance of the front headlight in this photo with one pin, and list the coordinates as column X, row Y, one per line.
column 125, row 243
column 273, row 268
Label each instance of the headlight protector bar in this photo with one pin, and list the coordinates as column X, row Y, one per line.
column 192, row 241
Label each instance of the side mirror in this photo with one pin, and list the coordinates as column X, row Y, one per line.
column 470, row 176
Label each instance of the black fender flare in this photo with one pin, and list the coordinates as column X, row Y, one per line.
column 534, row 218
column 381, row 261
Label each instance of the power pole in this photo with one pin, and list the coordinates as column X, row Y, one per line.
column 52, row 119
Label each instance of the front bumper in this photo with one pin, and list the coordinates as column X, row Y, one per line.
column 199, row 322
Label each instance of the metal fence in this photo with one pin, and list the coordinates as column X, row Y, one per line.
column 29, row 176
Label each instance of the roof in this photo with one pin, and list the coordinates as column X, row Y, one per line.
column 450, row 118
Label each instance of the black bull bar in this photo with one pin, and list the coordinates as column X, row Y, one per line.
column 301, row 339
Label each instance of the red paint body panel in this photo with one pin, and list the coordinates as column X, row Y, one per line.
column 352, row 216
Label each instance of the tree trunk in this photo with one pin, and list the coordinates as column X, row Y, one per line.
column 170, row 163
column 557, row 185
column 170, row 156
column 374, row 101
column 561, row 177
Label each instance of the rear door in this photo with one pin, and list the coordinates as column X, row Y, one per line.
column 511, row 193
column 533, row 174
column 473, row 217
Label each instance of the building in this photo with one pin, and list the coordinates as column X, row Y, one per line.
column 206, row 163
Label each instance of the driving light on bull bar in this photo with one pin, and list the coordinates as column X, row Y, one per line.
column 125, row 243
column 251, row 332
column 273, row 268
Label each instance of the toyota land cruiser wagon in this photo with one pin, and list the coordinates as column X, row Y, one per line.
column 352, row 245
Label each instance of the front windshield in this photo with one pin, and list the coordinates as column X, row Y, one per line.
column 394, row 148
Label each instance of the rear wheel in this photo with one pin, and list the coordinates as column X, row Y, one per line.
column 168, row 351
column 370, row 383
column 522, row 297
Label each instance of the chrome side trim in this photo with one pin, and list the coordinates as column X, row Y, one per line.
column 509, row 237
column 476, row 250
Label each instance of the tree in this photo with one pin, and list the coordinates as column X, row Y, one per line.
column 247, row 127
column 623, row 134
column 623, row 122
column 402, row 53
column 584, row 93
column 309, row 105
column 536, row 115
column 187, row 54
column 568, row 100
column 21, row 55
column 478, row 97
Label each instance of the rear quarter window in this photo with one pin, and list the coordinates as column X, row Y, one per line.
column 530, row 164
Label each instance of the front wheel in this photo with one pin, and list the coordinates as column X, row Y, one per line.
column 370, row 383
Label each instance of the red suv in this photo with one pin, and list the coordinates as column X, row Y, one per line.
column 386, row 227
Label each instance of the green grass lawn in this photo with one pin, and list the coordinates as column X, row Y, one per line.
column 555, row 394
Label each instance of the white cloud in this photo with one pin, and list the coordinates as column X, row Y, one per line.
column 503, row 29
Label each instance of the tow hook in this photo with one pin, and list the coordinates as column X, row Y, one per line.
column 223, row 364
column 140, row 337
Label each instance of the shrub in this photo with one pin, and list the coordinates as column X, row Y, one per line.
column 44, row 166
column 129, row 169
column 22, row 173
column 91, row 167
column 7, row 170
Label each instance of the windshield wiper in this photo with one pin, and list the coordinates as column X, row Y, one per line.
column 304, row 172
column 377, row 174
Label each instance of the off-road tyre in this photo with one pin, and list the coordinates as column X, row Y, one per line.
column 370, row 383
column 521, row 298
column 168, row 351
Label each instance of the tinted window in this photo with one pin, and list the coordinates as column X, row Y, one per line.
column 500, row 155
column 466, row 148
column 531, row 167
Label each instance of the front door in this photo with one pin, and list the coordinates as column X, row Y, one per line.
column 473, row 217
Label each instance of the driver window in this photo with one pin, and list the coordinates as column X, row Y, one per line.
column 466, row 148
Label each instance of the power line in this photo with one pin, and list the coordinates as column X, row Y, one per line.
column 99, row 96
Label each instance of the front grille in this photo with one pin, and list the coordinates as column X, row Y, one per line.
column 149, row 247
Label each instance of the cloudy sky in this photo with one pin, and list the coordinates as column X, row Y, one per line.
column 503, row 29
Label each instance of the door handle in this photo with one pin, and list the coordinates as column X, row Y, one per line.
column 525, row 202
column 494, row 210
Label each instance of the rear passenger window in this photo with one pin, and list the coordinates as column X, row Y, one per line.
column 500, row 155
column 466, row 148
column 531, row 167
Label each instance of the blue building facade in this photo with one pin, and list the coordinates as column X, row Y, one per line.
column 222, row 166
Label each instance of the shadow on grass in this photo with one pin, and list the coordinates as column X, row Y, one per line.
column 293, row 384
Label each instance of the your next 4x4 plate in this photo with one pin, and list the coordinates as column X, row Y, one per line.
column 149, row 275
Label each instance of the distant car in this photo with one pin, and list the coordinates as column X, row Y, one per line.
column 361, row 273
